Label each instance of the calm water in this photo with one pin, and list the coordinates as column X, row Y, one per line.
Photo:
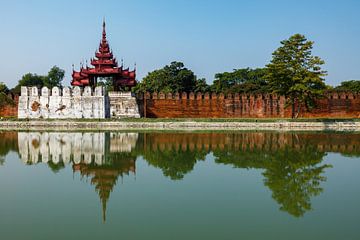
column 245, row 185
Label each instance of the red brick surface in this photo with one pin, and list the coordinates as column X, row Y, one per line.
column 244, row 106
column 10, row 110
column 237, row 106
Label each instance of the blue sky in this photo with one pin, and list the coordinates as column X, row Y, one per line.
column 209, row 36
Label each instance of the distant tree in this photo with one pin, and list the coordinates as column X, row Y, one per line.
column 107, row 83
column 5, row 95
column 54, row 77
column 349, row 86
column 244, row 80
column 172, row 78
column 29, row 80
column 295, row 73
column 3, row 88
column 201, row 86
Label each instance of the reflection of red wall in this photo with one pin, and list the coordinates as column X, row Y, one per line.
column 10, row 110
column 264, row 141
column 245, row 106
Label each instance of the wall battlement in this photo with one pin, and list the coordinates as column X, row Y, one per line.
column 75, row 102
column 62, row 103
column 211, row 105
column 236, row 96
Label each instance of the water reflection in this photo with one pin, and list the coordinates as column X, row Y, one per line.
column 291, row 163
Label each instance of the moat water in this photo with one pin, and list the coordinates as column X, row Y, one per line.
column 175, row 185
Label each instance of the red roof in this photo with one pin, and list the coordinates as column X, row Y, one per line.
column 104, row 63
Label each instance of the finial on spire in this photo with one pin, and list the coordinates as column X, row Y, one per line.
column 122, row 62
column 135, row 66
column 104, row 31
column 73, row 67
column 104, row 210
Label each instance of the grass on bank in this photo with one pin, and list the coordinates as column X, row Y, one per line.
column 145, row 120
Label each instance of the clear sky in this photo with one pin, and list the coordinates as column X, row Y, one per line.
column 209, row 36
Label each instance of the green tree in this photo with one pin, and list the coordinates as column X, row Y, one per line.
column 107, row 83
column 172, row 78
column 201, row 86
column 29, row 80
column 295, row 73
column 244, row 80
column 5, row 95
column 3, row 88
column 54, row 77
column 349, row 86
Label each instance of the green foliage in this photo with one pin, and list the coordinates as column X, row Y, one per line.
column 201, row 86
column 107, row 83
column 295, row 73
column 175, row 163
column 8, row 143
column 349, row 86
column 244, row 80
column 291, row 163
column 29, row 80
column 5, row 94
column 3, row 88
column 54, row 78
column 292, row 172
column 170, row 79
column 294, row 177
column 56, row 167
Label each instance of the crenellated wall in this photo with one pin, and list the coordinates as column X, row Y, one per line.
column 10, row 110
column 62, row 103
column 84, row 103
column 199, row 105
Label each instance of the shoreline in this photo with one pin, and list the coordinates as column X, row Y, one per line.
column 71, row 125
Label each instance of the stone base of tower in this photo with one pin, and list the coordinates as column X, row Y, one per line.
column 69, row 103
column 123, row 105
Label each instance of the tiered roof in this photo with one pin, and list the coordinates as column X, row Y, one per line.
column 104, row 65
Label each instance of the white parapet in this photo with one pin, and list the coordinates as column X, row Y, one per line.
column 62, row 103
column 70, row 103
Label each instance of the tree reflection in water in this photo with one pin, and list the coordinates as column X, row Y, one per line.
column 176, row 155
column 291, row 162
column 293, row 169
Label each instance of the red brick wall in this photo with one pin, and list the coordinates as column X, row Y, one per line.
column 238, row 106
column 244, row 106
column 10, row 110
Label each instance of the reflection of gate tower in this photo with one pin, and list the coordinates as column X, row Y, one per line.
column 105, row 177
column 117, row 161
column 103, row 157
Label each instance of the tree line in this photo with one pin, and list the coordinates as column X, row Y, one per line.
column 293, row 72
column 54, row 78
